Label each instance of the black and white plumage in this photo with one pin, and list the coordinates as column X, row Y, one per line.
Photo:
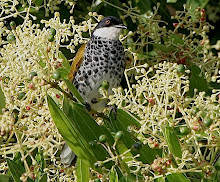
column 102, row 58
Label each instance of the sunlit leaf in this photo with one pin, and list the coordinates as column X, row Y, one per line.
column 160, row 179
column 2, row 100
column 113, row 176
column 121, row 148
column 65, row 62
column 63, row 73
column 172, row 142
column 82, row 171
column 172, row 1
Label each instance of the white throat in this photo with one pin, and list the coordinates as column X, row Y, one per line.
column 108, row 32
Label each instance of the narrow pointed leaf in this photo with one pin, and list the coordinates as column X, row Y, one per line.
column 126, row 179
column 82, row 171
column 87, row 126
column 16, row 170
column 74, row 91
column 197, row 81
column 164, row 48
column 160, row 179
column 121, row 148
column 43, row 178
column 70, row 134
column 122, row 122
column 113, row 176
column 171, row 1
column 177, row 177
column 65, row 62
column 2, row 100
column 4, row 178
column 195, row 4
column 63, row 73
column 172, row 142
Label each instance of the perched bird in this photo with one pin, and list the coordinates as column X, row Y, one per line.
column 101, row 59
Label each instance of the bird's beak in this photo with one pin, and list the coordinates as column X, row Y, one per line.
column 122, row 26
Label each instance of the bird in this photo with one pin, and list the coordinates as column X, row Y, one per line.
column 101, row 59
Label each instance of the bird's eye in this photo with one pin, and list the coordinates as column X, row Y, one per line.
column 107, row 22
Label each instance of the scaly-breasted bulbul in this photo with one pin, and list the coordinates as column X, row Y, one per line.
column 102, row 58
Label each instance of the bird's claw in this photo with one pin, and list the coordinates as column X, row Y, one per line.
column 88, row 107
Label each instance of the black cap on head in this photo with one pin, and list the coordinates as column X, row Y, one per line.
column 110, row 21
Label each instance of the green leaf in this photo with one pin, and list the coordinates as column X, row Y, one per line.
column 16, row 170
column 2, row 100
column 82, row 171
column 160, row 179
column 70, row 134
column 128, row 119
column 164, row 48
column 4, row 178
column 171, row 1
column 217, row 163
column 197, row 80
column 38, row 2
column 43, row 178
column 196, row 3
column 144, row 6
column 74, row 91
column 122, row 149
column 87, row 126
column 176, row 39
column 122, row 122
column 65, row 62
column 39, row 157
column 126, row 179
column 113, row 176
column 42, row 63
column 63, row 73
column 172, row 141
column 177, row 177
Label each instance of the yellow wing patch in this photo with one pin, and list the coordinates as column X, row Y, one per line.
column 77, row 61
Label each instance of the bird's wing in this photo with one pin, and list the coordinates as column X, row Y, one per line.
column 77, row 61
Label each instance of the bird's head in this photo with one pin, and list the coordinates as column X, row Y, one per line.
column 109, row 28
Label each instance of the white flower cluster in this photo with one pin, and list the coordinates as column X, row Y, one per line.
column 22, row 9
column 159, row 98
column 158, row 92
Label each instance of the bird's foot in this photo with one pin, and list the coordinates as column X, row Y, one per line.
column 88, row 107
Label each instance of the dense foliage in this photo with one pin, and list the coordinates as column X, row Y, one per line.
column 166, row 127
